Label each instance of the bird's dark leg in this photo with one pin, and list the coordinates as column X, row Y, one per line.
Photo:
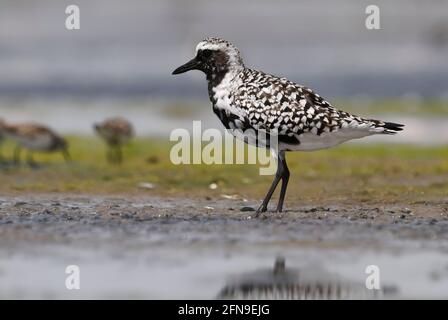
column 119, row 154
column 114, row 154
column 66, row 155
column 278, row 176
column 16, row 156
column 109, row 154
column 285, row 179
column 30, row 159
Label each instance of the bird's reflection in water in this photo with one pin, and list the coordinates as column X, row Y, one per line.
column 309, row 283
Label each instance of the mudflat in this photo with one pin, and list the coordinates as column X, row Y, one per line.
column 132, row 246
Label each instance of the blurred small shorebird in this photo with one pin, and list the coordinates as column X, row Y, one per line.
column 248, row 100
column 34, row 137
column 116, row 132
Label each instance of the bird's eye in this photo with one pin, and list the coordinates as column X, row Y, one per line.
column 206, row 53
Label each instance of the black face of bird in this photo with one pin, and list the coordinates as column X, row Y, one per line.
column 99, row 129
column 208, row 61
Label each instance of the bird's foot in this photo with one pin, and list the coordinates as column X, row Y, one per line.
column 264, row 208
column 261, row 209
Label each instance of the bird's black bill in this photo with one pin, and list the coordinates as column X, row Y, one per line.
column 66, row 155
column 190, row 65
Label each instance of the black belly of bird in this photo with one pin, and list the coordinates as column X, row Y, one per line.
column 251, row 135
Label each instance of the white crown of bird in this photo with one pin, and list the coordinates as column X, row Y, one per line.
column 217, row 44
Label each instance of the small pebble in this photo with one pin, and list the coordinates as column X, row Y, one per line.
column 245, row 209
column 230, row 196
column 213, row 186
column 146, row 185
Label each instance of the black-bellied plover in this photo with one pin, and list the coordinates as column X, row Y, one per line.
column 248, row 100
column 116, row 132
column 34, row 137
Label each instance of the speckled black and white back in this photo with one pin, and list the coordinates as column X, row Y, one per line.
column 246, row 99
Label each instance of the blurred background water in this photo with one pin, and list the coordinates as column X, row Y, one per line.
column 121, row 59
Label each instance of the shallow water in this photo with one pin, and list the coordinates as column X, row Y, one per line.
column 158, row 118
column 199, row 273
column 176, row 248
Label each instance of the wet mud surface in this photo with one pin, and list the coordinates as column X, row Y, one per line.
column 158, row 247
